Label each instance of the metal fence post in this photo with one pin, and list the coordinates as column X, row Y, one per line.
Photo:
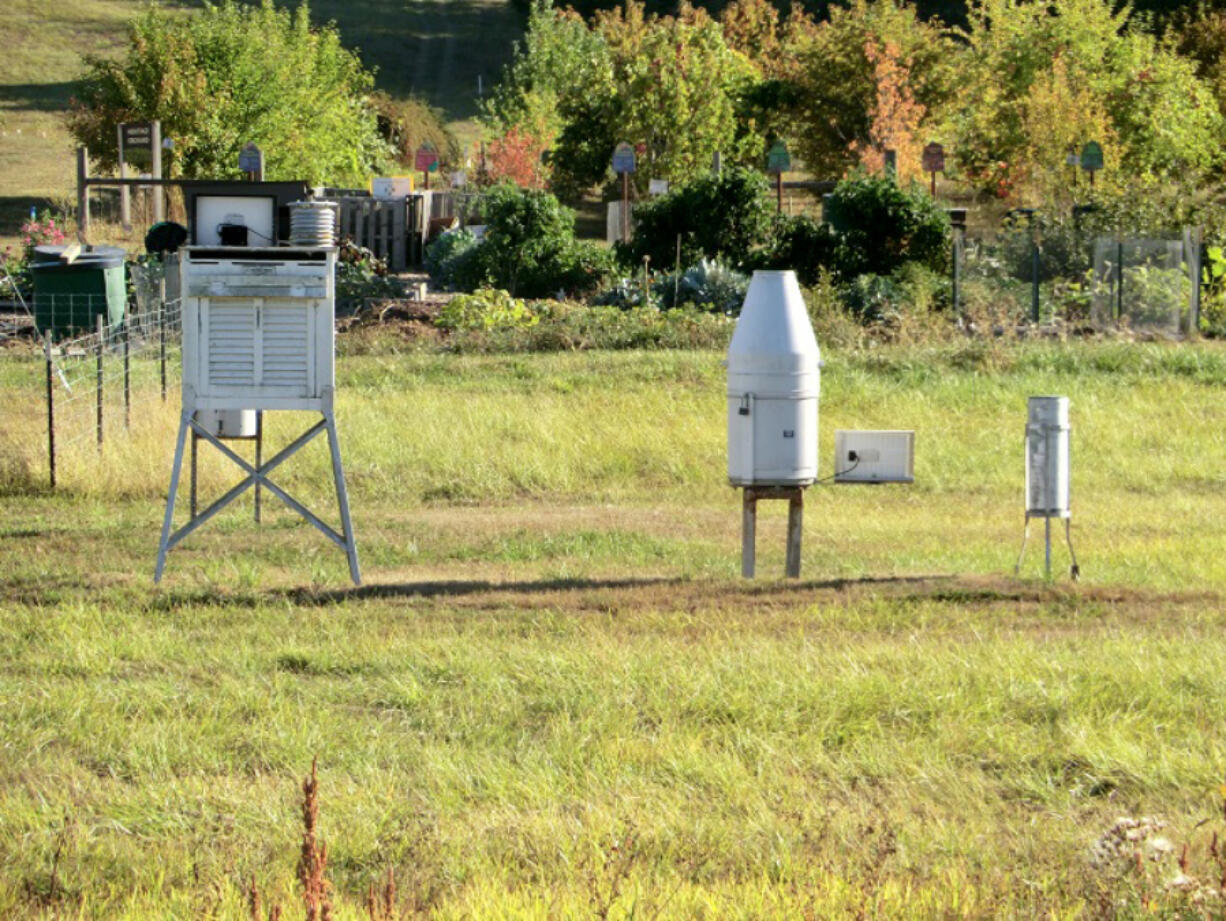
column 127, row 373
column 161, row 321
column 1034, row 274
column 50, row 406
column 101, row 346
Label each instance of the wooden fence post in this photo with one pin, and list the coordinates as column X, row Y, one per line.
column 82, row 195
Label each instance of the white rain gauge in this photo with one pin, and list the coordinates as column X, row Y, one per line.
column 1047, row 474
column 258, row 335
column 774, row 380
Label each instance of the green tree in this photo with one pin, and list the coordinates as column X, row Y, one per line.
column 840, row 90
column 558, row 57
column 669, row 84
column 1200, row 35
column 1101, row 72
column 232, row 74
column 407, row 124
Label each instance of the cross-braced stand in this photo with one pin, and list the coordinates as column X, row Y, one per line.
column 257, row 476
column 258, row 438
column 1074, row 570
column 795, row 496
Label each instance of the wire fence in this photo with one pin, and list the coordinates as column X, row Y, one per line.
column 97, row 382
column 1145, row 284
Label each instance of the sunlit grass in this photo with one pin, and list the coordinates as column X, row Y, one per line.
column 553, row 652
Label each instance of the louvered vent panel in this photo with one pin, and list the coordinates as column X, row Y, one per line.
column 231, row 346
column 286, row 345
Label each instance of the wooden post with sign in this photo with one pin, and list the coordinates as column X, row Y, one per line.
column 1092, row 159
column 426, row 162
column 158, row 193
column 778, row 162
column 933, row 159
column 125, row 198
column 82, row 195
column 623, row 164
column 145, row 138
column 251, row 162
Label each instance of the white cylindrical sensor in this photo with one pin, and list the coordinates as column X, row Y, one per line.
column 774, row 380
column 228, row 423
column 1047, row 458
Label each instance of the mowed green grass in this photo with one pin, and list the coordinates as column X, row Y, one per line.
column 553, row 653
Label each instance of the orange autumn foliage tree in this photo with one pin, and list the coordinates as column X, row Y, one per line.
column 895, row 114
column 516, row 156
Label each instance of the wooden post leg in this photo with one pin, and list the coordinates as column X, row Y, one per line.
column 796, row 511
column 749, row 520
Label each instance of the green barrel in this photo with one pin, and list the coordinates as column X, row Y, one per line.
column 70, row 296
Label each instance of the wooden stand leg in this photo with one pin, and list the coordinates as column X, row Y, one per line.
column 749, row 521
column 796, row 511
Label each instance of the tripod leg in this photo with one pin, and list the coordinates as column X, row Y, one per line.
column 1075, row 571
column 184, row 424
column 1017, row 568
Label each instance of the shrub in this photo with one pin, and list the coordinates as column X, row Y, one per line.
column 15, row 276
column 880, row 225
column 713, row 286
column 725, row 217
column 571, row 326
column 1213, row 299
column 486, row 309
column 872, row 298
column 361, row 275
column 447, row 257
column 804, row 245
column 530, row 247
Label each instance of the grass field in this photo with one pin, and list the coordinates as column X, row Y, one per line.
column 554, row 698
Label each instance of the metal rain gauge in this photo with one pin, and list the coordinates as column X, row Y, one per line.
column 258, row 334
column 1047, row 474
column 774, row 380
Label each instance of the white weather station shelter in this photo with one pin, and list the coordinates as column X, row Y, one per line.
column 258, row 335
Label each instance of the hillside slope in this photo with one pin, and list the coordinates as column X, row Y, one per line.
column 432, row 48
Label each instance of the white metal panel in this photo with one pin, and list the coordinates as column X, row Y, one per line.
column 874, row 456
column 258, row 332
column 231, row 344
column 256, row 212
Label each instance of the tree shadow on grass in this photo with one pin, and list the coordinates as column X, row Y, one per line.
column 15, row 210
column 37, row 97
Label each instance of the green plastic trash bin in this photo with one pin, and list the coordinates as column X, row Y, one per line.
column 69, row 296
